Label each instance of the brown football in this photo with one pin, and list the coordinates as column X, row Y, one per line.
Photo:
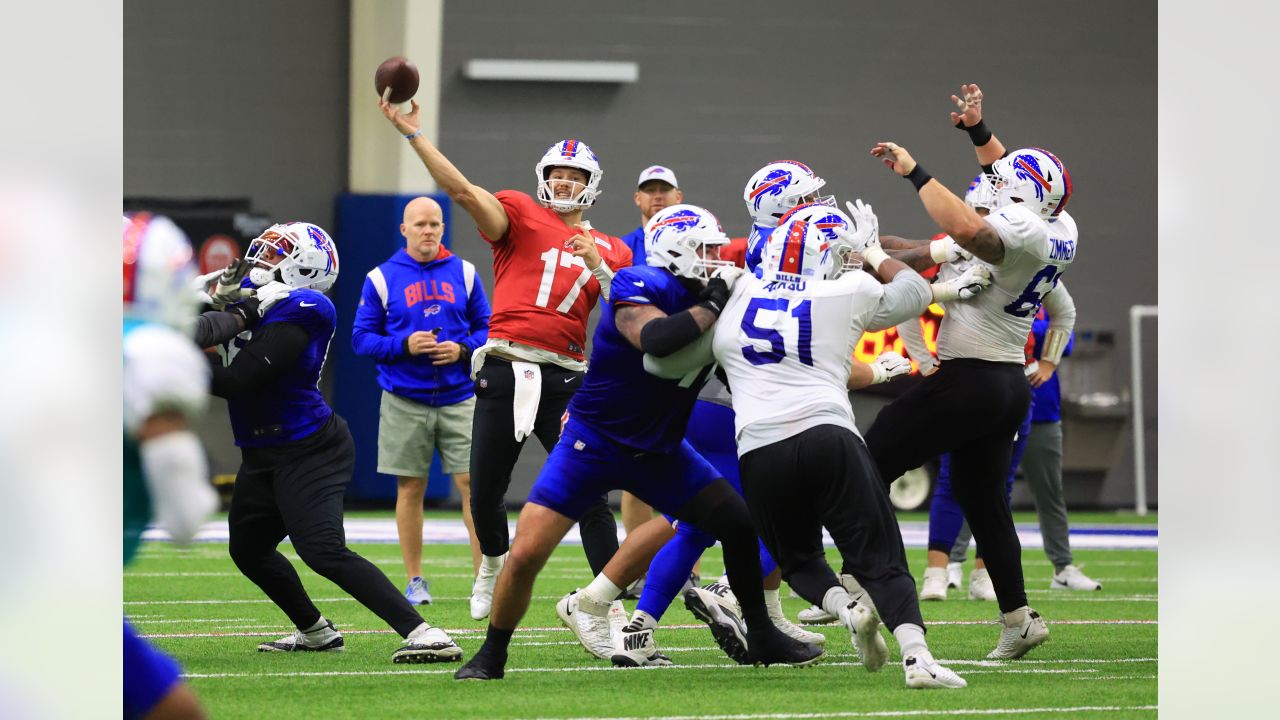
column 399, row 74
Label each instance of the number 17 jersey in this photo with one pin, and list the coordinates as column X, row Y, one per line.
column 993, row 326
column 542, row 294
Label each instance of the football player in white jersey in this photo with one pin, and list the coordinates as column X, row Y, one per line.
column 1028, row 243
column 786, row 344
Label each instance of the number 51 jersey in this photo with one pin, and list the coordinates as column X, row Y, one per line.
column 994, row 325
column 787, row 349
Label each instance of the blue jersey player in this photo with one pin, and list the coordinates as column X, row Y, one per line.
column 297, row 453
column 625, row 430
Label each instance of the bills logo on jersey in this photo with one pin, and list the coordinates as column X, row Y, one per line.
column 431, row 310
column 771, row 185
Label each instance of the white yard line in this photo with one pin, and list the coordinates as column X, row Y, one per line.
column 884, row 713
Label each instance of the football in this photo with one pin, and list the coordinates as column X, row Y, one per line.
column 400, row 75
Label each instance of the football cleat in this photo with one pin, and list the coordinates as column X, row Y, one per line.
column 1072, row 579
column 790, row 629
column 431, row 645
column 935, row 584
column 418, row 592
column 727, row 628
column 482, row 589
column 773, row 647
column 1020, row 630
column 480, row 667
column 326, row 639
column 814, row 615
column 980, row 587
column 955, row 575
column 589, row 621
column 924, row 673
column 637, row 649
column 864, row 626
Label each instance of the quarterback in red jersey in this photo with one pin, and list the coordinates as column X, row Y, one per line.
column 550, row 268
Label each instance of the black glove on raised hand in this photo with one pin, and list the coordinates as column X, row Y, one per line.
column 714, row 296
column 249, row 311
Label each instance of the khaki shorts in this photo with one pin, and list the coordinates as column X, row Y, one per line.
column 408, row 432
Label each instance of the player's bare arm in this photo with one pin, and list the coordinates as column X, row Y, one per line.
column 649, row 329
column 955, row 218
column 479, row 203
column 968, row 117
column 914, row 253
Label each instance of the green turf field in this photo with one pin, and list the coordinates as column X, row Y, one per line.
column 1100, row 660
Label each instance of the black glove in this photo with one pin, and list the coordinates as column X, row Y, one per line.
column 714, row 296
column 248, row 311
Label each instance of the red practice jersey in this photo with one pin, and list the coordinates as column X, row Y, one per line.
column 542, row 294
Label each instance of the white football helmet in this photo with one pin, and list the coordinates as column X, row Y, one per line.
column 158, row 272
column 1033, row 177
column 308, row 257
column 798, row 251
column 829, row 221
column 677, row 238
column 574, row 154
column 981, row 193
column 779, row 187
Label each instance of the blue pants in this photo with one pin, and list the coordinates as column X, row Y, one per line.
column 945, row 517
column 149, row 674
column 710, row 433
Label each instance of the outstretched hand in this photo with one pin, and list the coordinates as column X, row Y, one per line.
column 969, row 105
column 406, row 123
column 895, row 157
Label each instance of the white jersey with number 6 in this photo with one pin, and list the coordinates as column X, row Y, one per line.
column 994, row 325
column 787, row 348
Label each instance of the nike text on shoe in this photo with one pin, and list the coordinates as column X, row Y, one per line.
column 430, row 646
column 637, row 649
column 418, row 592
column 1072, row 579
column 482, row 589
column 589, row 622
column 935, row 584
column 814, row 615
column 729, row 631
column 980, row 587
column 1020, row 630
column 326, row 639
column 864, row 625
column 924, row 673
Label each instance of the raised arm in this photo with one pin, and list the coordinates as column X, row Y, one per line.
column 986, row 145
column 480, row 204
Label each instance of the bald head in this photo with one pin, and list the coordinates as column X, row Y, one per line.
column 422, row 228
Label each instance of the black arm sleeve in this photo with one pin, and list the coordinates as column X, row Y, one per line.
column 662, row 336
column 215, row 328
column 272, row 352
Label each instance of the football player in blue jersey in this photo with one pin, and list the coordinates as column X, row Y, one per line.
column 297, row 453
column 625, row 430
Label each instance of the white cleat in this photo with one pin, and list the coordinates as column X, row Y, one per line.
column 482, row 589
column 955, row 575
column 925, row 673
column 1020, row 630
column 1072, row 579
column 429, row 645
column 637, row 649
column 589, row 622
column 792, row 630
column 856, row 592
column 980, row 587
column 720, row 589
column 867, row 640
column 814, row 615
column 325, row 639
column 728, row 630
column 935, row 584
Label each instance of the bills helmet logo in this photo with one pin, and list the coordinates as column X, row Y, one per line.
column 679, row 220
column 322, row 241
column 1028, row 168
column 771, row 185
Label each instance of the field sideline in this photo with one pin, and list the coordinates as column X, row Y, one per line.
column 1100, row 661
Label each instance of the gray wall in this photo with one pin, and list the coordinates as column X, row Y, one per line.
column 728, row 86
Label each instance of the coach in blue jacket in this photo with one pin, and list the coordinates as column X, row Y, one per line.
column 421, row 314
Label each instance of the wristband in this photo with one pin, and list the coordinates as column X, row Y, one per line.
column 918, row 177
column 1055, row 342
column 874, row 255
column 416, row 133
column 979, row 135
column 940, row 250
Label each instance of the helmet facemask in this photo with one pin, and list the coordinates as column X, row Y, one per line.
column 300, row 255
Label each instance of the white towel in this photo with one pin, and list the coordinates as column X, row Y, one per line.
column 524, row 405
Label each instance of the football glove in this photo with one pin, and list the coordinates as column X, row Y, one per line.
column 970, row 283
column 887, row 366
column 228, row 290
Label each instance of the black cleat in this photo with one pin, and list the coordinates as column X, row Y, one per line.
column 479, row 669
column 773, row 647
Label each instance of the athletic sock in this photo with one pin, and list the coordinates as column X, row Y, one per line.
column 602, row 590
column 911, row 639
column 495, row 644
column 836, row 599
column 641, row 621
column 319, row 625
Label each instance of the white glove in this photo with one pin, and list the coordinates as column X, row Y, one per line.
column 729, row 274
column 887, row 366
column 970, row 283
column 866, row 232
column 228, row 290
column 270, row 294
